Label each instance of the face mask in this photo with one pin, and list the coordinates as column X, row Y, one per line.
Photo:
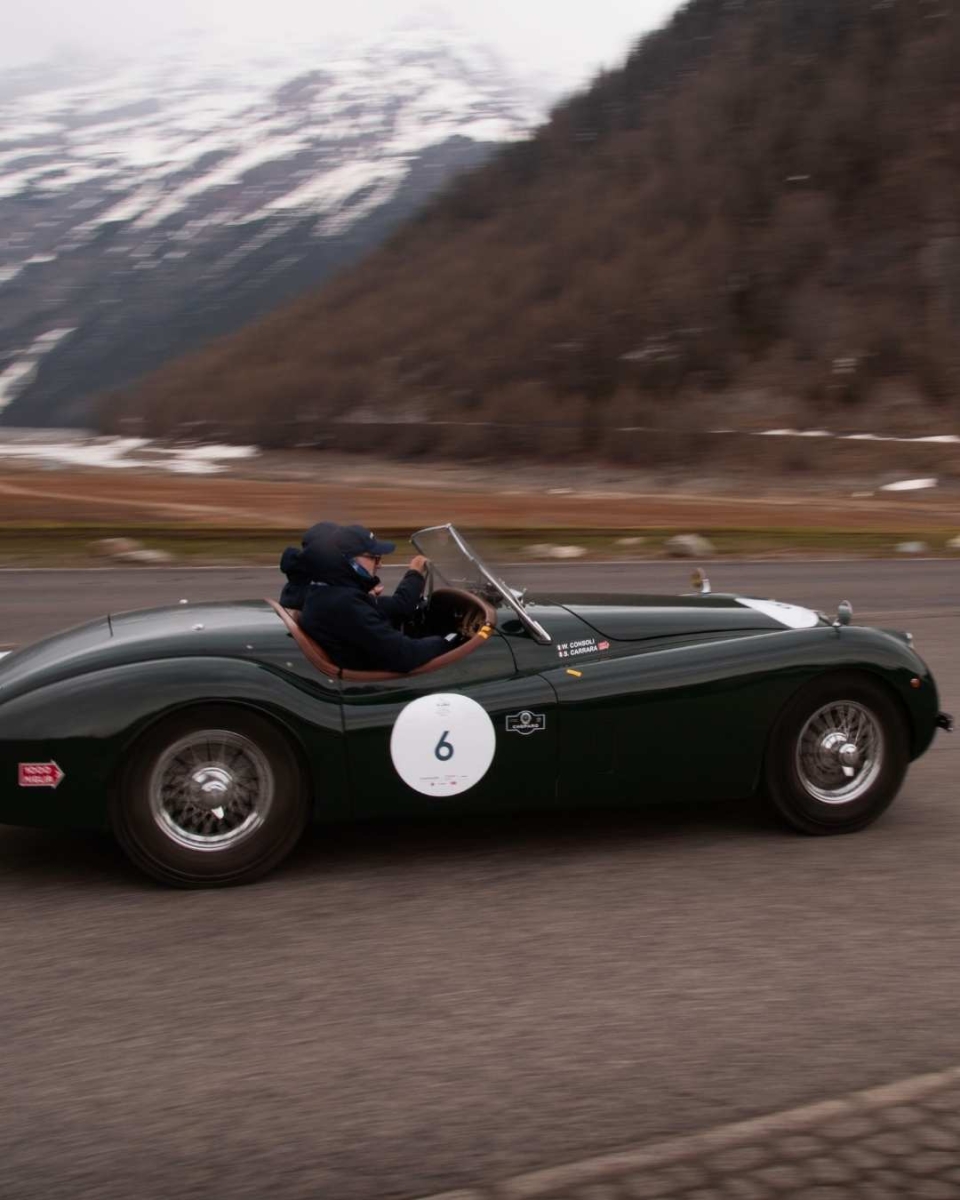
column 360, row 569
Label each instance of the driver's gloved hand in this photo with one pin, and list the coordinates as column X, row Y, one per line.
column 454, row 639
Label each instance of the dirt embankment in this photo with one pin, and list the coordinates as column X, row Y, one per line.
column 404, row 497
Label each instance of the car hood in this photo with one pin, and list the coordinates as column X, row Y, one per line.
column 637, row 618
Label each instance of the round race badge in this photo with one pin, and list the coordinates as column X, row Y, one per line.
column 443, row 744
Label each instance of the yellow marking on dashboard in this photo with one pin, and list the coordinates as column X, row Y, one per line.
column 575, row 674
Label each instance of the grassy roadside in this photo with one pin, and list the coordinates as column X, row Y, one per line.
column 46, row 545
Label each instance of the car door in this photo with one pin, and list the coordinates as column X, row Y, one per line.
column 476, row 735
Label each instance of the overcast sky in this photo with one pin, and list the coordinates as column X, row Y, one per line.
column 573, row 40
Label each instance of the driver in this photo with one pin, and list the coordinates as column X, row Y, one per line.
column 344, row 609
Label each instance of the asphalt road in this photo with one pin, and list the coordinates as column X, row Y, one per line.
column 411, row 1008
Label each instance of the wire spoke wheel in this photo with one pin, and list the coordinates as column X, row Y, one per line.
column 837, row 754
column 840, row 752
column 211, row 789
column 211, row 797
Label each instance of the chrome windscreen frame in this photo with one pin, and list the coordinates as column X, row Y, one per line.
column 505, row 593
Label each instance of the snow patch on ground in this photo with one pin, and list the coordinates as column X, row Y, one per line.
column 121, row 453
column 946, row 439
column 909, row 485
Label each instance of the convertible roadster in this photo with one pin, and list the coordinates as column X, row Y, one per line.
column 208, row 735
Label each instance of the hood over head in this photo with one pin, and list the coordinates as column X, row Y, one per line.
column 323, row 531
column 321, row 562
column 317, row 561
column 292, row 562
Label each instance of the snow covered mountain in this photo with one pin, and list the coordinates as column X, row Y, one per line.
column 148, row 205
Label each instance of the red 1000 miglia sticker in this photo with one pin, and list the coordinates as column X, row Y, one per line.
column 46, row 774
column 442, row 745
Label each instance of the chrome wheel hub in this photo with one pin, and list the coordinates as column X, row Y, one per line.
column 211, row 789
column 839, row 752
column 836, row 748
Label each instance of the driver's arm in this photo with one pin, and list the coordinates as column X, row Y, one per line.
column 402, row 605
column 364, row 625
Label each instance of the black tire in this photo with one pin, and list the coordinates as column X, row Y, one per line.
column 802, row 750
column 209, row 798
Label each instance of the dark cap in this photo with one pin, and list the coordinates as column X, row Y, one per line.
column 354, row 540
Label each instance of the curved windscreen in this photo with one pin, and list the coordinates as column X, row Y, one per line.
column 459, row 565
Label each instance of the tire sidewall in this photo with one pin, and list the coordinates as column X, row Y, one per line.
column 783, row 784
column 157, row 853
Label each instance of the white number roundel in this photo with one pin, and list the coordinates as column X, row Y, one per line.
column 443, row 744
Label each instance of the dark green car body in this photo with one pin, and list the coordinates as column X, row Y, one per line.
column 632, row 700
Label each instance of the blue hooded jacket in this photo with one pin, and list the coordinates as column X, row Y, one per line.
column 354, row 627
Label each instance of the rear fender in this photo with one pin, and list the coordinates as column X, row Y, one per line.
column 89, row 723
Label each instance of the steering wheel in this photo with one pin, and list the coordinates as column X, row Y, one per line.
column 470, row 625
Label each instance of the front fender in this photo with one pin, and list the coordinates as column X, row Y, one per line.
column 88, row 724
column 890, row 657
column 880, row 653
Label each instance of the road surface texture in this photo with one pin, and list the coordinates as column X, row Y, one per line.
column 404, row 1010
column 900, row 1141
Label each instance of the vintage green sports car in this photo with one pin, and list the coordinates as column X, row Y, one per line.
column 208, row 735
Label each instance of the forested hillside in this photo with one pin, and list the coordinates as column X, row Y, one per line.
column 756, row 219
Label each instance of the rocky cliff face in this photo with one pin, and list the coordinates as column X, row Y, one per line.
column 146, row 206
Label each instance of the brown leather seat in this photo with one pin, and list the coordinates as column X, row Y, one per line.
column 322, row 661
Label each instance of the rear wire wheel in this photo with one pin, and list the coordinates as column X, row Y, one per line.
column 837, row 756
column 210, row 797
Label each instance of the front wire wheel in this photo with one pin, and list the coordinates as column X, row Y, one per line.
column 837, row 755
column 840, row 752
column 211, row 797
column 211, row 789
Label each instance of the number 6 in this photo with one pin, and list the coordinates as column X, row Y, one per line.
column 443, row 750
